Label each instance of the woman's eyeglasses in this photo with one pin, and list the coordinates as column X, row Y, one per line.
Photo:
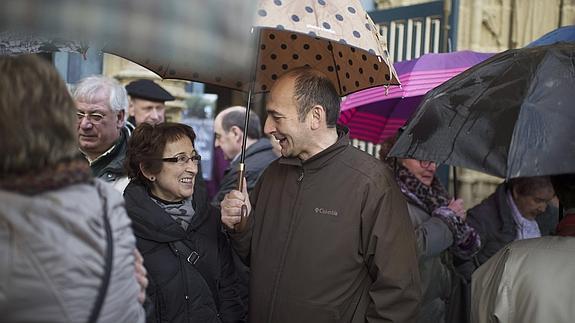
column 183, row 159
column 426, row 163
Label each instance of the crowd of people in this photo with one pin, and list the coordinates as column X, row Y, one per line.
column 106, row 217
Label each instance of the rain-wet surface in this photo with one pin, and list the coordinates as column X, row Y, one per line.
column 500, row 116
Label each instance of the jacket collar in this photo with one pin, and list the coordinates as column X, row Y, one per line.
column 320, row 159
column 262, row 144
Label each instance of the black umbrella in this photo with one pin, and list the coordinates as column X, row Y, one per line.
column 512, row 115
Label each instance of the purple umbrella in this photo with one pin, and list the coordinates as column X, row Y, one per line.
column 375, row 114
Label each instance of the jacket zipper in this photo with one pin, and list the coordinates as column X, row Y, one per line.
column 300, row 178
column 285, row 248
column 185, row 283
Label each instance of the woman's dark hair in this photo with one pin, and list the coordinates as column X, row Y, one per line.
column 147, row 144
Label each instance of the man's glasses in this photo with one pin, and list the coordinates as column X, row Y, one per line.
column 94, row 118
column 183, row 159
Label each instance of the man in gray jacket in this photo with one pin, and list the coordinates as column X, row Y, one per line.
column 328, row 238
column 229, row 133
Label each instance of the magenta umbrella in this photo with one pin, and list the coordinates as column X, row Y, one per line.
column 375, row 114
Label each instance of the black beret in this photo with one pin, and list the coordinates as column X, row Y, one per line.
column 148, row 90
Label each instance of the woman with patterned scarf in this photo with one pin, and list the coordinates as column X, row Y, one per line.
column 66, row 243
column 189, row 261
column 441, row 231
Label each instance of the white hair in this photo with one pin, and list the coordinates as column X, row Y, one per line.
column 90, row 87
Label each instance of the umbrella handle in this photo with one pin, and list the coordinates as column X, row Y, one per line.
column 241, row 226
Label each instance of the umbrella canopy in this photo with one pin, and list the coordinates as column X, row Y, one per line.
column 565, row 34
column 376, row 114
column 335, row 37
column 510, row 116
column 169, row 31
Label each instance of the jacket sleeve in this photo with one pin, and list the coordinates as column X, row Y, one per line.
column 433, row 237
column 231, row 307
column 390, row 254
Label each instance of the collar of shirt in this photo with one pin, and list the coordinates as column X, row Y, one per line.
column 97, row 158
column 525, row 228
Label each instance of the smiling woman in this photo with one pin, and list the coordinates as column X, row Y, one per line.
column 186, row 255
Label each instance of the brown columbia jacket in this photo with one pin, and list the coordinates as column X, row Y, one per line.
column 330, row 240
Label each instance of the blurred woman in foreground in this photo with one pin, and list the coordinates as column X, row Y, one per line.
column 66, row 245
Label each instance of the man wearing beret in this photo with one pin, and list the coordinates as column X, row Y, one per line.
column 147, row 102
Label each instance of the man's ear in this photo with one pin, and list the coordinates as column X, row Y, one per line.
column 317, row 117
column 120, row 118
column 238, row 133
column 131, row 109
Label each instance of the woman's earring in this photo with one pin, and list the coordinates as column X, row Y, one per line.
column 152, row 178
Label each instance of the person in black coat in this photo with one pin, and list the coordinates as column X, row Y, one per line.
column 229, row 134
column 188, row 259
column 519, row 209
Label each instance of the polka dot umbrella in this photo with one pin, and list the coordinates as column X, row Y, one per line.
column 336, row 37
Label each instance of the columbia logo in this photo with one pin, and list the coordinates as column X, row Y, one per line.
column 320, row 210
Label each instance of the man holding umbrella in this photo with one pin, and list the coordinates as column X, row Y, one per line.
column 328, row 237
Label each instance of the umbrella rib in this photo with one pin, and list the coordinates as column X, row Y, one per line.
column 331, row 47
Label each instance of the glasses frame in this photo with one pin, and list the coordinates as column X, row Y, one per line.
column 183, row 159
column 426, row 163
column 89, row 116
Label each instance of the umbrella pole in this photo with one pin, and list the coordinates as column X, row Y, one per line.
column 241, row 226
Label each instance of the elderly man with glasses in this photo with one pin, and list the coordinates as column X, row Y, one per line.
column 101, row 104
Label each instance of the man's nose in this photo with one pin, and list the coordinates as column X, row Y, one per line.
column 269, row 128
column 542, row 208
column 154, row 114
column 85, row 123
